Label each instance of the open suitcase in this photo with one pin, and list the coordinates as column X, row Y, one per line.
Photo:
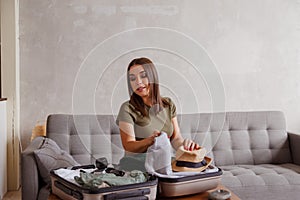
column 70, row 191
column 171, row 187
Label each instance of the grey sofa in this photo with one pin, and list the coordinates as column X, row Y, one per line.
column 259, row 158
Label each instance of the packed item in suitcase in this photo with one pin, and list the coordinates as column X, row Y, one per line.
column 90, row 183
column 190, row 172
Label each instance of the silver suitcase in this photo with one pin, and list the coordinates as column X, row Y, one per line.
column 171, row 187
column 70, row 191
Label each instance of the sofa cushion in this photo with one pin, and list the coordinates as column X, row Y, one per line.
column 265, row 174
column 255, row 181
column 49, row 156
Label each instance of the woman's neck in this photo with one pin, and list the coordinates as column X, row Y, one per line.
column 147, row 101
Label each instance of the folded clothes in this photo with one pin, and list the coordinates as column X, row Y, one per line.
column 92, row 180
column 69, row 174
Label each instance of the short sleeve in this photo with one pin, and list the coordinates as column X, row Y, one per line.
column 125, row 114
column 172, row 107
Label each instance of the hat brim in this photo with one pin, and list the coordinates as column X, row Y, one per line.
column 189, row 169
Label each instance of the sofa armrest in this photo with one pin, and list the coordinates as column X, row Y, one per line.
column 29, row 171
column 294, row 140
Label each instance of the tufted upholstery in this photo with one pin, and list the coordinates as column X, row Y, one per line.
column 253, row 150
column 259, row 158
column 239, row 137
column 86, row 137
column 232, row 138
column 261, row 175
column 264, row 181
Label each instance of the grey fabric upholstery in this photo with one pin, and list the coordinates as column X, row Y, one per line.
column 240, row 137
column 295, row 147
column 261, row 175
column 49, row 156
column 31, row 180
column 86, row 137
column 253, row 148
column 265, row 181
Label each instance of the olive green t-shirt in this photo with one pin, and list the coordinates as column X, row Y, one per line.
column 144, row 126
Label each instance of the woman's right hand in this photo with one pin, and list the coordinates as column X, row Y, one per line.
column 129, row 142
column 153, row 136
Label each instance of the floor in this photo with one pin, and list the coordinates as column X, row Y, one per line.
column 12, row 195
column 16, row 195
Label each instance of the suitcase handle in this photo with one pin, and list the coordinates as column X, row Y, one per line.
column 69, row 191
column 137, row 194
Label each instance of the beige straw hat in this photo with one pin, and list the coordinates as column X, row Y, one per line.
column 190, row 161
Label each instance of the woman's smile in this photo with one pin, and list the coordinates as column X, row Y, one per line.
column 140, row 89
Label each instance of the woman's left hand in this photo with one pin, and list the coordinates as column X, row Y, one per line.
column 190, row 145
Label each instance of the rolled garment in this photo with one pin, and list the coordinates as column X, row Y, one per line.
column 90, row 180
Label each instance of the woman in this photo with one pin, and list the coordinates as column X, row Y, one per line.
column 146, row 115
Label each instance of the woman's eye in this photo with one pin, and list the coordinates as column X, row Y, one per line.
column 143, row 75
column 132, row 78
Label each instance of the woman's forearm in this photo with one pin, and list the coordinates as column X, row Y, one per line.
column 177, row 142
column 128, row 139
column 140, row 146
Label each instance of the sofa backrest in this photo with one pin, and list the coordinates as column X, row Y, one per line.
column 86, row 137
column 230, row 138
column 256, row 137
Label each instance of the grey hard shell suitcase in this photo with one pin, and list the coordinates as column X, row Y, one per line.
column 171, row 187
column 70, row 191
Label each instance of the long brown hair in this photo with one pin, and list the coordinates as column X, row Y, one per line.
column 157, row 101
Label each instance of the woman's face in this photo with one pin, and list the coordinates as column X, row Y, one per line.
column 139, row 81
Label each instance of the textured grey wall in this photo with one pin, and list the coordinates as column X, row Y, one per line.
column 211, row 55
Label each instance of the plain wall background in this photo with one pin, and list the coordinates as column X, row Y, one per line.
column 211, row 55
